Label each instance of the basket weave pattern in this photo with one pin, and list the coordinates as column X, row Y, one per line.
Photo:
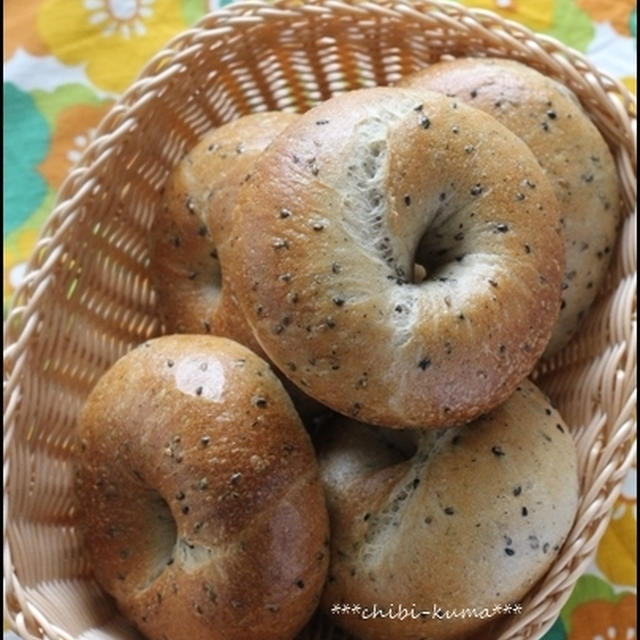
column 86, row 299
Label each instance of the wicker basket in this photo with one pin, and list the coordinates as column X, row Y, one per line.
column 86, row 298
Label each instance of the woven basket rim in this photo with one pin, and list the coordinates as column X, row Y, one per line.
column 20, row 324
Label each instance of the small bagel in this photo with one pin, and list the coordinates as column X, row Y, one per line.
column 193, row 295
column 198, row 494
column 464, row 518
column 328, row 227
column 571, row 152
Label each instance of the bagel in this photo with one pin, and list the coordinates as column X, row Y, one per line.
column 571, row 152
column 190, row 282
column 328, row 227
column 198, row 494
column 462, row 519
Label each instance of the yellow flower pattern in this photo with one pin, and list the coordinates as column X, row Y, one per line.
column 113, row 38
column 617, row 553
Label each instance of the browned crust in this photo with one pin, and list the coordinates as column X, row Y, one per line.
column 472, row 519
column 340, row 317
column 197, row 431
column 571, row 152
column 193, row 292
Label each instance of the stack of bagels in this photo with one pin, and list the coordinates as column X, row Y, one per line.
column 338, row 415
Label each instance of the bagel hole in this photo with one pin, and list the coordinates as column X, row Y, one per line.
column 164, row 538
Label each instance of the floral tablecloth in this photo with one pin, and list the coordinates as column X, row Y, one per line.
column 65, row 61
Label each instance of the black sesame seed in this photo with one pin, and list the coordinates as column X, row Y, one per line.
column 502, row 228
column 509, row 552
column 552, row 114
column 199, row 391
column 497, row 451
column 525, row 512
column 476, row 190
column 337, row 301
column 259, row 401
column 517, row 490
column 235, row 477
column 170, row 363
column 449, row 511
column 202, row 230
column 424, row 363
column 185, row 509
column 559, row 428
column 321, row 122
column 473, row 93
column 300, row 584
column 425, row 123
column 407, row 200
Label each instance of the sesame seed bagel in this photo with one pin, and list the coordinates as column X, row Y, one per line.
column 326, row 233
column 198, row 494
column 190, row 281
column 412, row 526
column 571, row 152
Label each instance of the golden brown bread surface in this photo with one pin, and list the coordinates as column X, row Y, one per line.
column 193, row 293
column 328, row 227
column 198, row 494
column 193, row 287
column 462, row 518
column 571, row 152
